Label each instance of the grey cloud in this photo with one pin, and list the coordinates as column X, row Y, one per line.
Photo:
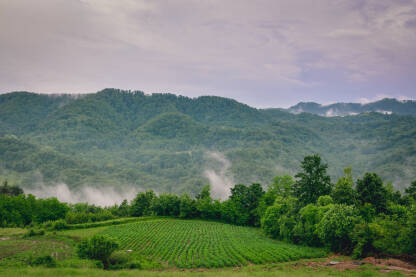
column 253, row 51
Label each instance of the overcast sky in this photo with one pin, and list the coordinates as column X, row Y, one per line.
column 264, row 53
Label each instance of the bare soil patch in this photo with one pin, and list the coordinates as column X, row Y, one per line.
column 384, row 265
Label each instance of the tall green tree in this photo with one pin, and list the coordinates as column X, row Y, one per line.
column 187, row 207
column 313, row 181
column 343, row 192
column 282, row 185
column 141, row 204
column 336, row 226
column 205, row 204
column 370, row 190
column 247, row 200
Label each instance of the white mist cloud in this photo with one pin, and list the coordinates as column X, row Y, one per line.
column 384, row 112
column 105, row 196
column 221, row 183
column 330, row 113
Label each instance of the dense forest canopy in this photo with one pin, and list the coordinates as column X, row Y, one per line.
column 164, row 142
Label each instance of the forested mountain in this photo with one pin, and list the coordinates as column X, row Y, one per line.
column 386, row 106
column 166, row 142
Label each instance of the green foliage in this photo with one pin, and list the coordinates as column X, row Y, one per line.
column 34, row 232
column 343, row 192
column 119, row 259
column 313, row 180
column 46, row 260
column 246, row 200
column 305, row 231
column 282, row 186
column 60, row 225
column 98, row 247
column 411, row 190
column 124, row 209
column 279, row 218
column 187, row 207
column 370, row 190
column 336, row 226
column 411, row 246
column 325, row 200
column 166, row 205
column 22, row 210
column 50, row 209
column 206, row 207
column 141, row 204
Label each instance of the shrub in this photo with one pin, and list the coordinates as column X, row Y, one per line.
column 34, row 232
column 98, row 247
column 46, row 260
column 60, row 225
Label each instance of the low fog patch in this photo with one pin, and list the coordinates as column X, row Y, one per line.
column 220, row 182
column 104, row 196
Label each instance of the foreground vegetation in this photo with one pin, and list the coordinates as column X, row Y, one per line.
column 152, row 243
column 360, row 218
column 309, row 216
column 21, row 255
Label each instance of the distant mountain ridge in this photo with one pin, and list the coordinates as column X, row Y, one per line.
column 166, row 142
column 386, row 105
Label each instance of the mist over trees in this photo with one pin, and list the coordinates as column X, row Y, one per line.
column 362, row 217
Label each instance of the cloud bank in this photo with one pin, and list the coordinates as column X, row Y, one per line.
column 265, row 53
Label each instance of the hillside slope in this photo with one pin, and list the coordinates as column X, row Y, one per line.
column 177, row 144
column 386, row 105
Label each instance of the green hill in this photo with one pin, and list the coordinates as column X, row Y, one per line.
column 164, row 141
column 386, row 105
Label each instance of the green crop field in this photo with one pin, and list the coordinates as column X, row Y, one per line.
column 191, row 243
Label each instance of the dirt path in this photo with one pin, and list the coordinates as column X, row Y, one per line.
column 384, row 265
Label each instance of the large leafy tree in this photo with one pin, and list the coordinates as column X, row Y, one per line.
column 282, row 186
column 247, row 200
column 141, row 204
column 335, row 227
column 343, row 192
column 312, row 181
column 370, row 190
column 206, row 207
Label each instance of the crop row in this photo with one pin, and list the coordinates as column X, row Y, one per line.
column 191, row 243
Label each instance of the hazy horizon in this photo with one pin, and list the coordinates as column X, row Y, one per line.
column 361, row 101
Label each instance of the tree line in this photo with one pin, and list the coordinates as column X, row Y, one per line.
column 362, row 217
